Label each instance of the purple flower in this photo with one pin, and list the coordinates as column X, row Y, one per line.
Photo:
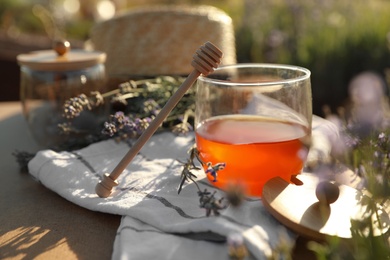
column 150, row 106
column 109, row 129
column 142, row 124
column 118, row 118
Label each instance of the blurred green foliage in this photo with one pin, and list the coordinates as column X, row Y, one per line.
column 16, row 16
column 335, row 39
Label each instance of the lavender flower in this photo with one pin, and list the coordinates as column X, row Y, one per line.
column 142, row 124
column 74, row 106
column 127, row 87
column 151, row 107
column 122, row 126
column 119, row 119
column 109, row 129
column 96, row 99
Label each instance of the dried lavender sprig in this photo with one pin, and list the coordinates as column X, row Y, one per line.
column 130, row 85
column 131, row 89
column 75, row 105
column 186, row 174
column 124, row 127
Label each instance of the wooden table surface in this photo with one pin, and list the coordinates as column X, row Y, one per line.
column 36, row 223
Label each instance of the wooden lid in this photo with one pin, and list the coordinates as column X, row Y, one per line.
column 297, row 207
column 50, row 60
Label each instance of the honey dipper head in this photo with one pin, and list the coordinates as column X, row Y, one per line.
column 207, row 58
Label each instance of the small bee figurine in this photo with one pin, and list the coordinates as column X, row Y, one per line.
column 213, row 169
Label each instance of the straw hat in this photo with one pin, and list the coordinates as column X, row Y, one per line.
column 160, row 40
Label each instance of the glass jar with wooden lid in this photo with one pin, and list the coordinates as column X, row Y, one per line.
column 48, row 79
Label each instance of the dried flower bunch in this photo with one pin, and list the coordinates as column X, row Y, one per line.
column 124, row 113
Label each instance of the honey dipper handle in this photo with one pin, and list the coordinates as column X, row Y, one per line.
column 205, row 60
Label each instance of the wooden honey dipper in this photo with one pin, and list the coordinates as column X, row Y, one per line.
column 206, row 58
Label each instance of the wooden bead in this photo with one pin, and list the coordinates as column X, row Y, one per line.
column 327, row 192
column 61, row 47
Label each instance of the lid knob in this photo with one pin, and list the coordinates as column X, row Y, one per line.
column 327, row 192
column 61, row 47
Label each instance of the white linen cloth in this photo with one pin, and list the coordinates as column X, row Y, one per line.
column 158, row 223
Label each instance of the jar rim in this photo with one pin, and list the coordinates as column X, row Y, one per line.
column 303, row 74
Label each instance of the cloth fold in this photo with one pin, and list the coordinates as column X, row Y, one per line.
column 157, row 222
